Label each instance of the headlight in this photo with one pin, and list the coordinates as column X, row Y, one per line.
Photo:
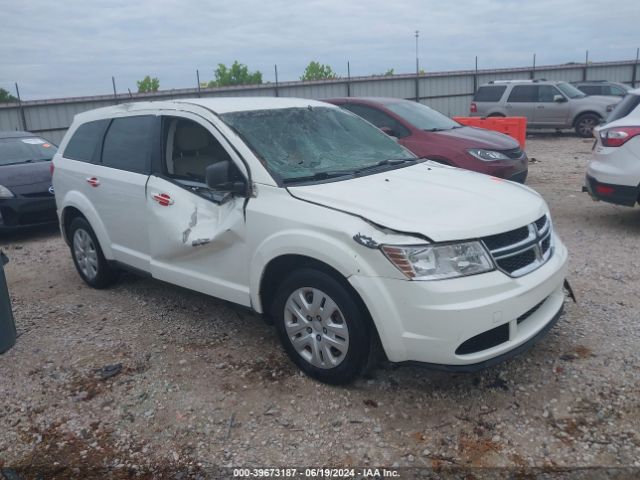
column 439, row 261
column 5, row 192
column 487, row 155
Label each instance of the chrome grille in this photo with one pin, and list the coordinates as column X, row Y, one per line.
column 522, row 250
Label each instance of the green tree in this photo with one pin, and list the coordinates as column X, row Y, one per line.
column 237, row 74
column 389, row 73
column 6, row 97
column 148, row 84
column 318, row 71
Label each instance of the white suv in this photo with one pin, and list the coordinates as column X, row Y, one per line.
column 316, row 219
column 614, row 172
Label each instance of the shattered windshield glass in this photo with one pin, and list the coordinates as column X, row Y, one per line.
column 315, row 143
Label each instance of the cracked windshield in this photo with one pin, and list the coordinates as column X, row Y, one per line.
column 315, row 143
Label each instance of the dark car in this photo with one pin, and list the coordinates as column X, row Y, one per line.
column 26, row 194
column 428, row 133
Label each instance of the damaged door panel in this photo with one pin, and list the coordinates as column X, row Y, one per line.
column 196, row 242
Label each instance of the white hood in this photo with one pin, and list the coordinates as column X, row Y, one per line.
column 442, row 203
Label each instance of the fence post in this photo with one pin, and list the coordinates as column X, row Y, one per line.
column 586, row 63
column 275, row 69
column 21, row 109
column 198, row 80
column 475, row 78
column 115, row 95
column 635, row 69
column 533, row 68
column 348, row 79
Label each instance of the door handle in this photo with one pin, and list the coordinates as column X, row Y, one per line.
column 507, row 106
column 93, row 181
column 540, row 106
column 163, row 199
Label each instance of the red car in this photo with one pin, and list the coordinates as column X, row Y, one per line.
column 430, row 134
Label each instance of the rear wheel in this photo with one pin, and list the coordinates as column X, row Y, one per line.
column 88, row 257
column 321, row 326
column 585, row 124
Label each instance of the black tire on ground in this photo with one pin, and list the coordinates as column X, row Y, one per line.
column 495, row 115
column 104, row 275
column 585, row 123
column 360, row 335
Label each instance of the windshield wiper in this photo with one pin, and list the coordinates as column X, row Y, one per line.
column 318, row 176
column 382, row 163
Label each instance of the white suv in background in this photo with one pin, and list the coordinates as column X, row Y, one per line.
column 613, row 174
column 316, row 219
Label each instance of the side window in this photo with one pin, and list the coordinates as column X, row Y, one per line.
column 524, row 93
column 85, row 142
column 591, row 89
column 189, row 149
column 127, row 144
column 489, row 94
column 547, row 92
column 378, row 118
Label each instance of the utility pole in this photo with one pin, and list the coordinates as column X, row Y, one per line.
column 275, row 70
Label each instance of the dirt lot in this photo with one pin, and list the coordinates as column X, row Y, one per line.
column 205, row 384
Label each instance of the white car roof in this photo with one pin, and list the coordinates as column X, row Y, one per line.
column 218, row 105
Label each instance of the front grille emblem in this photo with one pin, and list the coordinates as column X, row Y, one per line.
column 525, row 253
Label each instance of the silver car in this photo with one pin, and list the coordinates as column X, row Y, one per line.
column 546, row 104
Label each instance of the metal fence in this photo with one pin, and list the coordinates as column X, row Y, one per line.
column 447, row 92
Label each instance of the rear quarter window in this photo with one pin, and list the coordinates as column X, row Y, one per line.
column 127, row 144
column 489, row 94
column 628, row 104
column 85, row 142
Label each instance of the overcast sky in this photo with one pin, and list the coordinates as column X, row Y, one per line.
column 72, row 48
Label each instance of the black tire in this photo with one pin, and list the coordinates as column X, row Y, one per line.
column 104, row 275
column 354, row 361
column 495, row 115
column 585, row 123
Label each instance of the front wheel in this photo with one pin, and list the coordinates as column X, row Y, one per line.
column 322, row 327
column 585, row 124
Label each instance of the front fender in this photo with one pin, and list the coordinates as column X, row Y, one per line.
column 77, row 200
column 332, row 251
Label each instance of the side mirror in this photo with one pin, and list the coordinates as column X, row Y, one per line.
column 219, row 177
column 559, row 99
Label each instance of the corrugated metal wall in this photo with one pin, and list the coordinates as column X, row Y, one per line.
column 447, row 92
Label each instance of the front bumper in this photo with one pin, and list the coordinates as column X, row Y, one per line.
column 465, row 321
column 514, row 170
column 20, row 212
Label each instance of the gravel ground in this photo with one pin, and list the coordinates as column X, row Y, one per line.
column 146, row 378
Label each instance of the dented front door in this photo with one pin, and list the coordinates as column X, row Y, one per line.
column 196, row 243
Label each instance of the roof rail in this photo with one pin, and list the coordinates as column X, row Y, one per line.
column 536, row 80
